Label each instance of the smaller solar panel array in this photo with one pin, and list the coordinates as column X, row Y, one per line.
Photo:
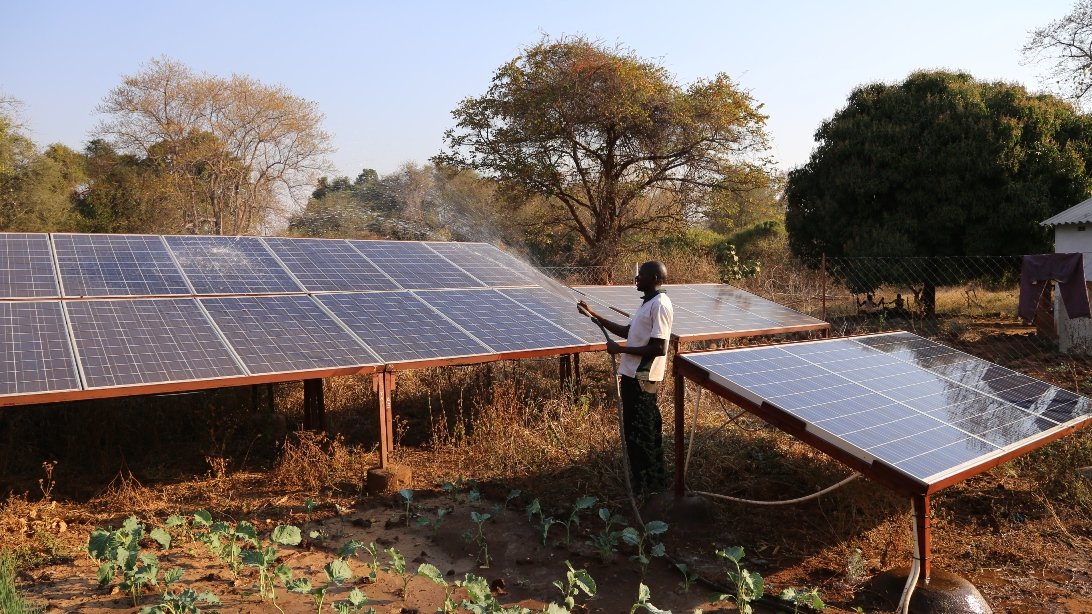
column 710, row 310
column 922, row 408
column 145, row 310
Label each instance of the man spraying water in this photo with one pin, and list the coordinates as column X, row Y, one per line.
column 640, row 371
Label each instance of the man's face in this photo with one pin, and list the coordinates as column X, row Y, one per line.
column 646, row 278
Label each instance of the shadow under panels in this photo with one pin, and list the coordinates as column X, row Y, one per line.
column 26, row 266
column 921, row 407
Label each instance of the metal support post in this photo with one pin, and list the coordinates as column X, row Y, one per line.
column 923, row 524
column 680, row 435
column 314, row 406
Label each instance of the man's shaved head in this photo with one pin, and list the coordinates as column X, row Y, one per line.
column 656, row 269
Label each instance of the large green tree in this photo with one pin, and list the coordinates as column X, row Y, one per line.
column 36, row 187
column 938, row 165
column 611, row 139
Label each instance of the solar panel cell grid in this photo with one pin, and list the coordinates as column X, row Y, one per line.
column 400, row 327
column 280, row 334
column 497, row 321
column 230, row 265
column 558, row 309
column 483, row 268
column 116, row 265
column 878, row 396
column 35, row 352
column 26, row 266
column 414, row 265
column 147, row 341
column 329, row 265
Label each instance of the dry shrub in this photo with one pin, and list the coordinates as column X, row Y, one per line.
column 311, row 461
column 126, row 493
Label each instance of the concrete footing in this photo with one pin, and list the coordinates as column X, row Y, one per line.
column 946, row 593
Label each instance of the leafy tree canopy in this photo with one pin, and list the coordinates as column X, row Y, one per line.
column 938, row 165
column 614, row 143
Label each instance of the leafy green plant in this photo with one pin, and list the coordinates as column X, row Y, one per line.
column 688, row 578
column 433, row 523
column 119, row 551
column 407, row 502
column 748, row 584
column 427, row 570
column 605, row 541
column 398, row 566
column 263, row 559
column 374, row 568
column 186, row 601
column 645, row 542
column 644, row 601
column 808, row 597
column 576, row 581
column 512, row 495
column 354, row 603
column 224, row 540
column 582, row 504
column 477, row 535
column 534, row 508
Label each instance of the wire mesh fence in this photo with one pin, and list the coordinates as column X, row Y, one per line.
column 968, row 302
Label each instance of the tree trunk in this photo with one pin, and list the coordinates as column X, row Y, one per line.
column 929, row 299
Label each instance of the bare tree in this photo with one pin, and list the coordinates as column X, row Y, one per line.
column 1067, row 44
column 236, row 150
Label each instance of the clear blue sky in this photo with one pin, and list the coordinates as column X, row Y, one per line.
column 387, row 75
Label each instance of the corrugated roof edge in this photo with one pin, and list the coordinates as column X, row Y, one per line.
column 1080, row 213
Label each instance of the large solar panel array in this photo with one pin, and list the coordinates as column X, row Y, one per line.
column 710, row 310
column 148, row 310
column 927, row 410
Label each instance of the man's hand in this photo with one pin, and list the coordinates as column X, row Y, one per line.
column 613, row 347
column 585, row 309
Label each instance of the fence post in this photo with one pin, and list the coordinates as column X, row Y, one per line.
column 823, row 268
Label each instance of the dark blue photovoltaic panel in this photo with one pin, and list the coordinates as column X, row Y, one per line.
column 705, row 309
column 26, row 266
column 279, row 334
column 912, row 403
column 521, row 267
column 329, row 265
column 230, row 265
column 400, row 327
column 116, row 265
column 471, row 258
column 499, row 322
column 558, row 309
column 414, row 265
column 35, row 352
column 147, row 341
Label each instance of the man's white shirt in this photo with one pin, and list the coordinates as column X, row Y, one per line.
column 653, row 319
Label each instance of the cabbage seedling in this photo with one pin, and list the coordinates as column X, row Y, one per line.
column 605, row 541
column 428, row 570
column 120, row 551
column 644, row 597
column 356, row 601
column 748, row 584
column 374, row 568
column 512, row 494
column 803, row 597
column 583, row 503
column 479, row 538
column 398, row 566
column 641, row 540
column 183, row 602
column 434, row 523
column 407, row 499
column 576, row 581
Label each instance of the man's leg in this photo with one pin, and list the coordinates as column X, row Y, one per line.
column 644, row 437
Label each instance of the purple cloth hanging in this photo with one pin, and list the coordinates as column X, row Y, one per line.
column 1066, row 269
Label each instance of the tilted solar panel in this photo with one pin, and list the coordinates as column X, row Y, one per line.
column 558, row 309
column 401, row 327
column 499, row 322
column 279, row 334
column 329, row 265
column 26, row 266
column 116, row 265
column 230, row 265
column 413, row 265
column 921, row 407
column 473, row 258
column 35, row 351
column 147, row 341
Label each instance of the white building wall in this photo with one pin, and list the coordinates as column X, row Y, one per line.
column 1074, row 336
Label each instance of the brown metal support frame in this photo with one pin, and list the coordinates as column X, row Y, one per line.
column 576, row 370
column 383, row 385
column 923, row 520
column 680, row 435
column 565, row 370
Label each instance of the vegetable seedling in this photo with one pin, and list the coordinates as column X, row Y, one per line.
column 583, row 503
column 407, row 500
column 184, row 602
column 644, row 600
column 645, row 539
column 119, row 551
column 605, row 541
column 576, row 581
column 748, row 584
column 479, row 538
column 427, row 570
column 398, row 566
